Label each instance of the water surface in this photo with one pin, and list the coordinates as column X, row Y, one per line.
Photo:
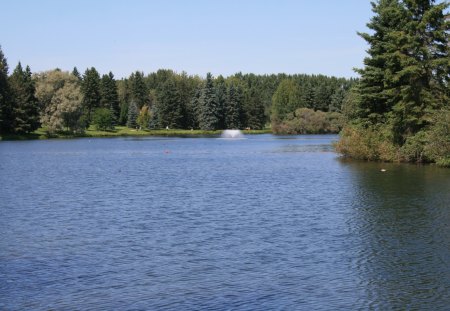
column 261, row 223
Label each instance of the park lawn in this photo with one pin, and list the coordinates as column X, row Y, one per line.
column 121, row 131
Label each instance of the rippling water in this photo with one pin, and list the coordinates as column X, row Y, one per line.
column 262, row 223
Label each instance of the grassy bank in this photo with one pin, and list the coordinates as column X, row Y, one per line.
column 121, row 131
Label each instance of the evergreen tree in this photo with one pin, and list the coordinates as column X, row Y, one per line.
column 222, row 98
column 406, row 74
column 6, row 124
column 133, row 113
column 25, row 103
column 138, row 90
column 254, row 110
column 90, row 88
column 208, row 116
column 233, row 108
column 76, row 73
column 109, row 95
column 169, row 106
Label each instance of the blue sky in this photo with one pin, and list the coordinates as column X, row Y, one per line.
column 197, row 36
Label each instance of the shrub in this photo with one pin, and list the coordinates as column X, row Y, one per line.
column 103, row 119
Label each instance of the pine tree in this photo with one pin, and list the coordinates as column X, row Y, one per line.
column 208, row 116
column 406, row 74
column 6, row 125
column 254, row 109
column 139, row 92
column 133, row 113
column 169, row 106
column 25, row 103
column 233, row 108
column 109, row 95
column 90, row 88
column 76, row 73
column 221, row 95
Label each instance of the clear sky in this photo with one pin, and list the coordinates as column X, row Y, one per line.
column 197, row 36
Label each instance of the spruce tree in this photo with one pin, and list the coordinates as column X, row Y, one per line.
column 90, row 88
column 76, row 73
column 133, row 113
column 254, row 109
column 25, row 104
column 6, row 125
column 222, row 97
column 139, row 92
column 169, row 106
column 109, row 95
column 233, row 108
column 406, row 74
column 208, row 116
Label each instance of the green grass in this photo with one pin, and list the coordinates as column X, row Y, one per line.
column 121, row 131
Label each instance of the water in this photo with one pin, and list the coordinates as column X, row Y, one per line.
column 261, row 223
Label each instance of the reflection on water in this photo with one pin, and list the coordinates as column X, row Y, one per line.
column 264, row 223
column 401, row 221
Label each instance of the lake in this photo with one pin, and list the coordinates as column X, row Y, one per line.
column 261, row 223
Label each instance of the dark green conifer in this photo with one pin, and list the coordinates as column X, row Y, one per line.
column 25, row 104
column 169, row 106
column 6, row 124
column 90, row 88
column 208, row 116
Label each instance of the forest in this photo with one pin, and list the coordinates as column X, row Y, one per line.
column 70, row 102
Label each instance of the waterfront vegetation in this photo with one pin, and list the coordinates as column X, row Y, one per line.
column 397, row 111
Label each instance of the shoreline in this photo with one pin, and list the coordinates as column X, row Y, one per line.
column 121, row 131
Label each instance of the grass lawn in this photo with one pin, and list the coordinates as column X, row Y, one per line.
column 41, row 133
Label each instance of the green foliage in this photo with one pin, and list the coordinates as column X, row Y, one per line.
column 90, row 88
column 103, row 119
column 308, row 121
column 208, row 111
column 61, row 101
column 25, row 114
column 133, row 113
column 138, row 90
column 253, row 107
column 404, row 84
column 169, row 106
column 144, row 118
column 233, row 107
column 109, row 95
column 6, row 124
column 286, row 99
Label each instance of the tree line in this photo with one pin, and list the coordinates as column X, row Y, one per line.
column 400, row 108
column 63, row 101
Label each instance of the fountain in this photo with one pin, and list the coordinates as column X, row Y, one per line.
column 232, row 134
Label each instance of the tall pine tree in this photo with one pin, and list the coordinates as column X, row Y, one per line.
column 109, row 95
column 169, row 106
column 6, row 124
column 90, row 88
column 138, row 90
column 25, row 104
column 208, row 116
column 233, row 107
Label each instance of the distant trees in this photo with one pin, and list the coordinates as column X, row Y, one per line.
column 160, row 99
